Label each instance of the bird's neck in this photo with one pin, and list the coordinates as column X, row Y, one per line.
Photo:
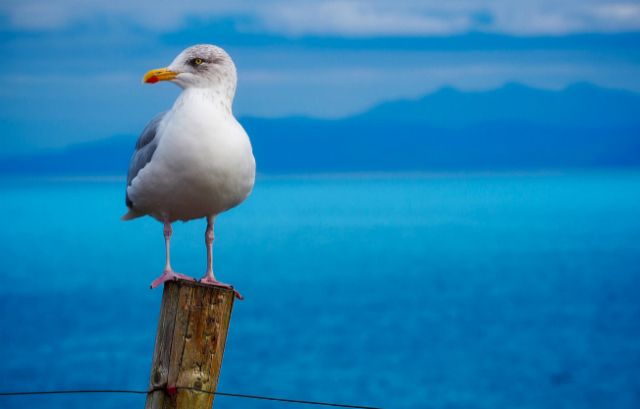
column 219, row 97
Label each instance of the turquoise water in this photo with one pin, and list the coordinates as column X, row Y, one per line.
column 512, row 291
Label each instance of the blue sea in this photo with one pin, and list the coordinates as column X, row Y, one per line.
column 396, row 291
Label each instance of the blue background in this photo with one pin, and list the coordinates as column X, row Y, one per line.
column 479, row 292
column 446, row 215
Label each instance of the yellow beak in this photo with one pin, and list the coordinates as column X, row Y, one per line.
column 160, row 74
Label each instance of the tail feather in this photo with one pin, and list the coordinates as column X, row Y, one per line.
column 131, row 214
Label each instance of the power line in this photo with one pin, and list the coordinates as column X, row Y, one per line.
column 72, row 392
column 174, row 390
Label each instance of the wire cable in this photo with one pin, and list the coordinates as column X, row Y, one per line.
column 138, row 392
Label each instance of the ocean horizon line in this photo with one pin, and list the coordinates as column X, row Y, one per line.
column 121, row 177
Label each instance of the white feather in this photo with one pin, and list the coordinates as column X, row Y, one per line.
column 203, row 164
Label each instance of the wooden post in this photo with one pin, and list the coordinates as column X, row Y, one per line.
column 192, row 331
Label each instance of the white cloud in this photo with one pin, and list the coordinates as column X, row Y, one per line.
column 616, row 14
column 355, row 18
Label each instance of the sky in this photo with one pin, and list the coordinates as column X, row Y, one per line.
column 72, row 69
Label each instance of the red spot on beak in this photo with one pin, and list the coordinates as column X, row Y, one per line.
column 152, row 80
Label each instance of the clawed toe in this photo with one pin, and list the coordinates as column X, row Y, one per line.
column 212, row 281
column 169, row 275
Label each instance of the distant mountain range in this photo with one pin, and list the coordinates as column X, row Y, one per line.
column 511, row 128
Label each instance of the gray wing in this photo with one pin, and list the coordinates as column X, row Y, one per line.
column 145, row 147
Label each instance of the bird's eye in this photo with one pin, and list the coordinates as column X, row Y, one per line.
column 197, row 61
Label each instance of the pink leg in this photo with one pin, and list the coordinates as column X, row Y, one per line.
column 168, row 273
column 208, row 277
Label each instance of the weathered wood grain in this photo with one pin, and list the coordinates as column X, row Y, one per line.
column 192, row 331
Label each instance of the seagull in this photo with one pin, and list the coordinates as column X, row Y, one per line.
column 195, row 160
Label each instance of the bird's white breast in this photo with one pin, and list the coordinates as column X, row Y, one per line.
column 203, row 164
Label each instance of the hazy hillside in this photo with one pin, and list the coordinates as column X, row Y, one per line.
column 578, row 105
column 514, row 127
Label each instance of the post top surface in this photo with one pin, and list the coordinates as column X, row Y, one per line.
column 189, row 283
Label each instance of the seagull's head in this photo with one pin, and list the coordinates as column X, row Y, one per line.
column 199, row 66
